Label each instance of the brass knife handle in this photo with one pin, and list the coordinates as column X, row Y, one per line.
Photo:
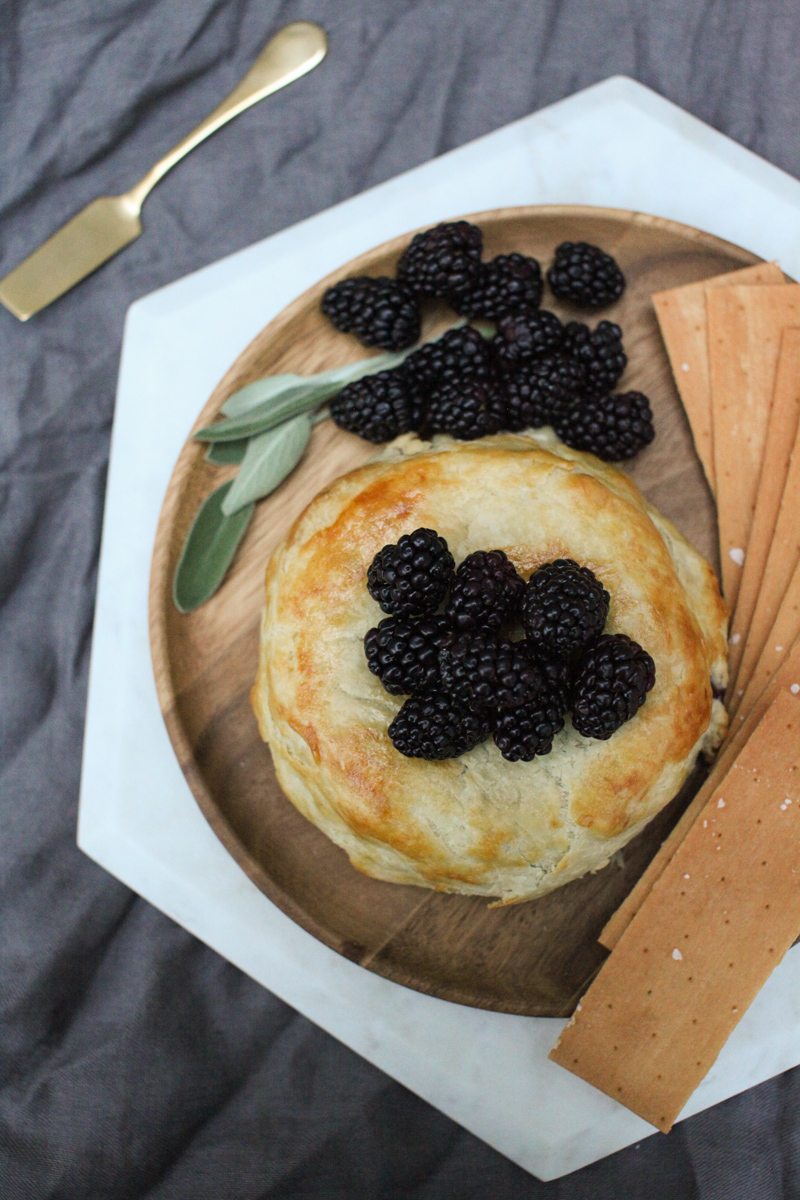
column 296, row 49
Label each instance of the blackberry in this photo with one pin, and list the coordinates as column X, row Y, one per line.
column 586, row 275
column 508, row 283
column 436, row 727
column 413, row 576
column 377, row 407
column 486, row 591
column 611, row 683
column 480, row 668
column 443, row 261
column 539, row 392
column 525, row 336
column 612, row 427
column 599, row 353
column 380, row 312
column 563, row 610
column 404, row 654
column 467, row 410
column 459, row 354
column 522, row 733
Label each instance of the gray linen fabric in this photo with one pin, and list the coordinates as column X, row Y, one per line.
column 135, row 1062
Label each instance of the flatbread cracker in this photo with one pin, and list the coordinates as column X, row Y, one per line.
column 745, row 325
column 779, row 642
column 782, row 542
column 779, row 452
column 716, row 924
column 681, row 314
column 742, row 727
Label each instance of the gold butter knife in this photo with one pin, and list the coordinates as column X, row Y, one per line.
column 108, row 224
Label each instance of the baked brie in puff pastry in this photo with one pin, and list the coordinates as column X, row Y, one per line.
column 479, row 824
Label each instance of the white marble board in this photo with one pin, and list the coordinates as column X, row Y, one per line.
column 615, row 144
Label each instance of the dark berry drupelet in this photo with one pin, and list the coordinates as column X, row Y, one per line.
column 417, row 402
column 525, row 336
column 585, row 275
column 467, row 410
column 380, row 312
column 436, row 727
column 413, row 576
column 509, row 283
column 486, row 591
column 522, row 733
column 612, row 427
column 563, row 610
column 443, row 261
column 538, row 393
column 404, row 654
column 477, row 667
column 600, row 354
column 459, row 354
column 558, row 676
column 377, row 407
column 611, row 683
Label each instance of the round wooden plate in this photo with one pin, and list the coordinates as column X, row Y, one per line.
column 535, row 958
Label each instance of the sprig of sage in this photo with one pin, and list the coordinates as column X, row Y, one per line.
column 265, row 430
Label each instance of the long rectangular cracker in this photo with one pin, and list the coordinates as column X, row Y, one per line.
column 717, row 922
column 681, row 314
column 779, row 451
column 779, row 641
column 745, row 325
column 779, row 636
column 783, row 552
column 742, row 727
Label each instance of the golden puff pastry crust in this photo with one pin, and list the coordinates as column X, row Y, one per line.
column 479, row 824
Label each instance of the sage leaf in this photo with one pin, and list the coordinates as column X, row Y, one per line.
column 208, row 550
column 273, row 386
column 269, row 459
column 364, row 366
column 267, row 415
column 226, row 454
column 263, row 389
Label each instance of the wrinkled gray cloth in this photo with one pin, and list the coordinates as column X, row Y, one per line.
column 134, row 1061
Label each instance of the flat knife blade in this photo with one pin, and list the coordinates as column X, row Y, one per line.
column 96, row 234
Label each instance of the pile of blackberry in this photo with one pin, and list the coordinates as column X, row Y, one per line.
column 531, row 370
column 467, row 680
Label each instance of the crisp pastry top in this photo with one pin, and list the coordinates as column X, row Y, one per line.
column 478, row 823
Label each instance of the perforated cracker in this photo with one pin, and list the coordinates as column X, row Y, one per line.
column 681, row 314
column 775, row 537
column 745, row 326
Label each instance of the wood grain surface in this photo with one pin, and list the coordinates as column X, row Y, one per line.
column 535, row 958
